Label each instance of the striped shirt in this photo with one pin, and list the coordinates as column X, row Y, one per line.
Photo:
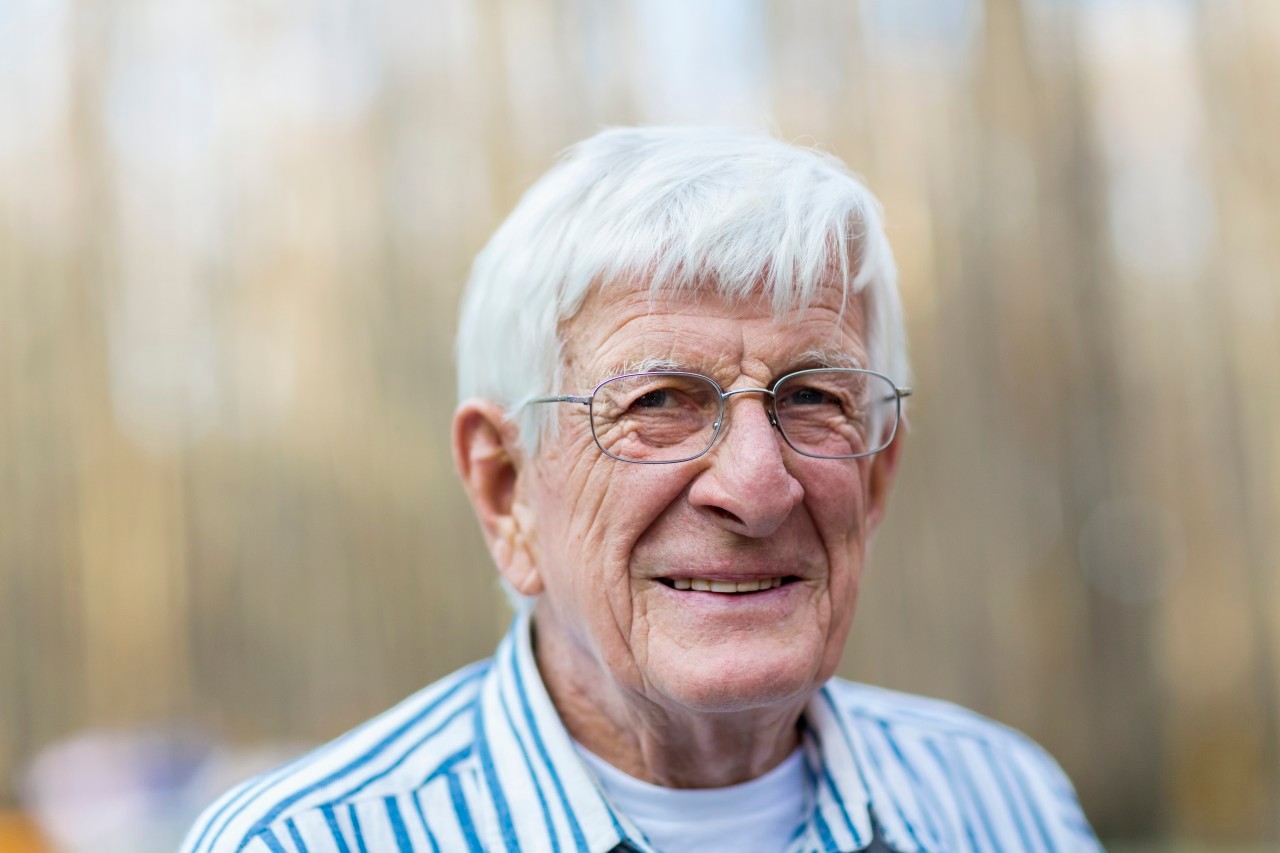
column 480, row 761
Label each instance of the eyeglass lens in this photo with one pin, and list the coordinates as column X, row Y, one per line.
column 671, row 417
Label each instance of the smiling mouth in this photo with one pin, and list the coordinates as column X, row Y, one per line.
column 726, row 587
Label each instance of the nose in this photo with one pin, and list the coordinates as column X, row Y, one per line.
column 746, row 486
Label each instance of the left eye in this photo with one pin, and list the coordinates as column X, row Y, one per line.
column 808, row 397
column 656, row 399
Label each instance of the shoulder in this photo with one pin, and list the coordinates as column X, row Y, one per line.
column 920, row 713
column 959, row 767
column 389, row 755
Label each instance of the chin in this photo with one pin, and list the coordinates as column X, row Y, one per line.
column 741, row 683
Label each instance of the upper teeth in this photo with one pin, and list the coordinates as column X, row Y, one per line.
column 708, row 585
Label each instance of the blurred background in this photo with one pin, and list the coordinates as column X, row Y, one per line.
column 233, row 236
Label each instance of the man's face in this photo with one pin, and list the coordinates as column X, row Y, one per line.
column 609, row 539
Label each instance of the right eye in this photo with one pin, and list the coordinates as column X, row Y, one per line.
column 656, row 395
column 807, row 396
column 655, row 399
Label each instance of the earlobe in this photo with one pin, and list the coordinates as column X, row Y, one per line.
column 487, row 455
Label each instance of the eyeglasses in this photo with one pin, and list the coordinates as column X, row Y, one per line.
column 665, row 417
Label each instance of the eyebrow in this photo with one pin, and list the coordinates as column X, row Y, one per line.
column 644, row 365
column 818, row 357
column 831, row 358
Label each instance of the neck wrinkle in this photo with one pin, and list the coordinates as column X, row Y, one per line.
column 658, row 744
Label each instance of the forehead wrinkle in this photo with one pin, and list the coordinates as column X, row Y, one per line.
column 641, row 359
column 715, row 364
column 703, row 348
column 672, row 346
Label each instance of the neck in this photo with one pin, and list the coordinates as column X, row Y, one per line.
column 660, row 742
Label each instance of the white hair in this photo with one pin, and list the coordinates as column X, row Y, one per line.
column 679, row 209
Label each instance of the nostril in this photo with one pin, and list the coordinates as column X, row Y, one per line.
column 726, row 515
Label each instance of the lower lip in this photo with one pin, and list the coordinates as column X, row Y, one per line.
column 776, row 599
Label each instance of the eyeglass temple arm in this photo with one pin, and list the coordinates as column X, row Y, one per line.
column 898, row 394
column 563, row 398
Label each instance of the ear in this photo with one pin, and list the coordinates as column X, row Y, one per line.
column 884, row 470
column 486, row 452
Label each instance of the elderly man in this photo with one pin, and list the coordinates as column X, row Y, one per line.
column 681, row 361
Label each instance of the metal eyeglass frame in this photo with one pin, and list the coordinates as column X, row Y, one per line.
column 899, row 394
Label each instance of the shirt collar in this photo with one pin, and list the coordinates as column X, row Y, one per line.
column 543, row 795
column 841, row 818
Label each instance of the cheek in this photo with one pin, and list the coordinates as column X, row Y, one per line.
column 592, row 516
column 593, row 510
column 566, row 476
column 840, row 514
column 836, row 497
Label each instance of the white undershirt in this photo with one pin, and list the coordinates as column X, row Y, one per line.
column 760, row 815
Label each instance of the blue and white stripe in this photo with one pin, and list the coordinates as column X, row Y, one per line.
column 481, row 762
